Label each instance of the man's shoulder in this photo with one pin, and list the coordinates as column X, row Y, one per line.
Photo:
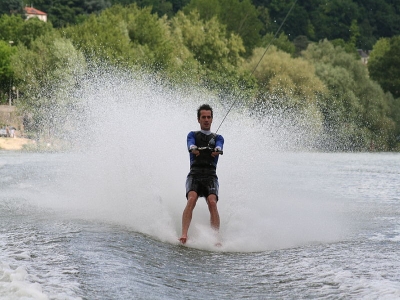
column 193, row 132
column 196, row 132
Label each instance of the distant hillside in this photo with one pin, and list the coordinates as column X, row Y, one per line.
column 365, row 21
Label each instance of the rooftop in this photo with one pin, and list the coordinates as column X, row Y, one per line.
column 34, row 11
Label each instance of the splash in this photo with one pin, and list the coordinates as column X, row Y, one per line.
column 130, row 164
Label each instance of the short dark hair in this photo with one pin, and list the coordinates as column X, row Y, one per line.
column 204, row 107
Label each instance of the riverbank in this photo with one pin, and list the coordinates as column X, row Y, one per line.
column 14, row 143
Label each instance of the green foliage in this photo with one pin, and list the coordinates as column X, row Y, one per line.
column 394, row 107
column 18, row 30
column 10, row 27
column 380, row 49
column 208, row 42
column 102, row 38
column 217, row 53
column 341, row 13
column 130, row 36
column 291, row 79
column 160, row 7
column 150, row 35
column 288, row 85
column 6, row 70
column 384, row 67
column 61, row 12
column 297, row 23
column 205, row 44
column 315, row 19
column 300, row 43
column 33, row 29
column 47, row 72
column 281, row 42
column 95, row 6
column 5, row 67
column 356, row 108
column 361, row 22
column 49, row 63
column 378, row 18
column 384, row 64
column 207, row 9
column 240, row 17
column 11, row 7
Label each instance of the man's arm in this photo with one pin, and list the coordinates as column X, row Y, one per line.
column 191, row 140
column 191, row 144
column 219, row 145
column 219, row 142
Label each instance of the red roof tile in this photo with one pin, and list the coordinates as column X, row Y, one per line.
column 34, row 11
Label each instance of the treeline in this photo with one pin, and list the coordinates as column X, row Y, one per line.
column 361, row 22
column 216, row 47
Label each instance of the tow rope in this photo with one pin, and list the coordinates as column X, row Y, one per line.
column 266, row 49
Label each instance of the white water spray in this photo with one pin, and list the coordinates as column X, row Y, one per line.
column 131, row 165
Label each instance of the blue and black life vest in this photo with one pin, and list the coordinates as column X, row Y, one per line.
column 204, row 160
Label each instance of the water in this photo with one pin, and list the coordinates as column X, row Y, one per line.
column 103, row 221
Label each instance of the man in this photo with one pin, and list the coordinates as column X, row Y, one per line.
column 202, row 181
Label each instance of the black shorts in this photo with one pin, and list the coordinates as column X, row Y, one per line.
column 203, row 186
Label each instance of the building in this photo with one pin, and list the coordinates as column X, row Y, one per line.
column 364, row 56
column 31, row 12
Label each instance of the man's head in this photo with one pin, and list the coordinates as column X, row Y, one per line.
column 205, row 116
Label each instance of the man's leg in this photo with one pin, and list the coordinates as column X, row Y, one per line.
column 187, row 214
column 212, row 207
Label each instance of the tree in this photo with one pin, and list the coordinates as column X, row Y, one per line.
column 217, row 53
column 356, row 110
column 150, row 35
column 6, row 71
column 32, row 29
column 290, row 82
column 208, row 42
column 281, row 42
column 339, row 13
column 47, row 74
column 18, row 30
column 378, row 18
column 240, row 17
column 300, row 43
column 394, row 105
column 102, row 38
column 384, row 64
column 11, row 7
column 207, row 9
column 95, row 6
column 159, row 7
column 131, row 36
column 297, row 23
column 62, row 12
column 10, row 28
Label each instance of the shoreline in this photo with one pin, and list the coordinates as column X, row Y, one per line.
column 7, row 143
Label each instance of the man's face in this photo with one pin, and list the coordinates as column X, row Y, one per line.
column 205, row 119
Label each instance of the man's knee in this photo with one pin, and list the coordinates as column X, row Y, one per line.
column 212, row 201
column 192, row 199
column 192, row 195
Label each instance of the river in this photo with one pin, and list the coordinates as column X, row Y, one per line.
column 102, row 221
column 323, row 226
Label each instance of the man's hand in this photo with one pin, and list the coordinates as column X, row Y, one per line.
column 195, row 152
column 215, row 153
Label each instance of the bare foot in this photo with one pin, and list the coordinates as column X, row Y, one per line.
column 183, row 239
